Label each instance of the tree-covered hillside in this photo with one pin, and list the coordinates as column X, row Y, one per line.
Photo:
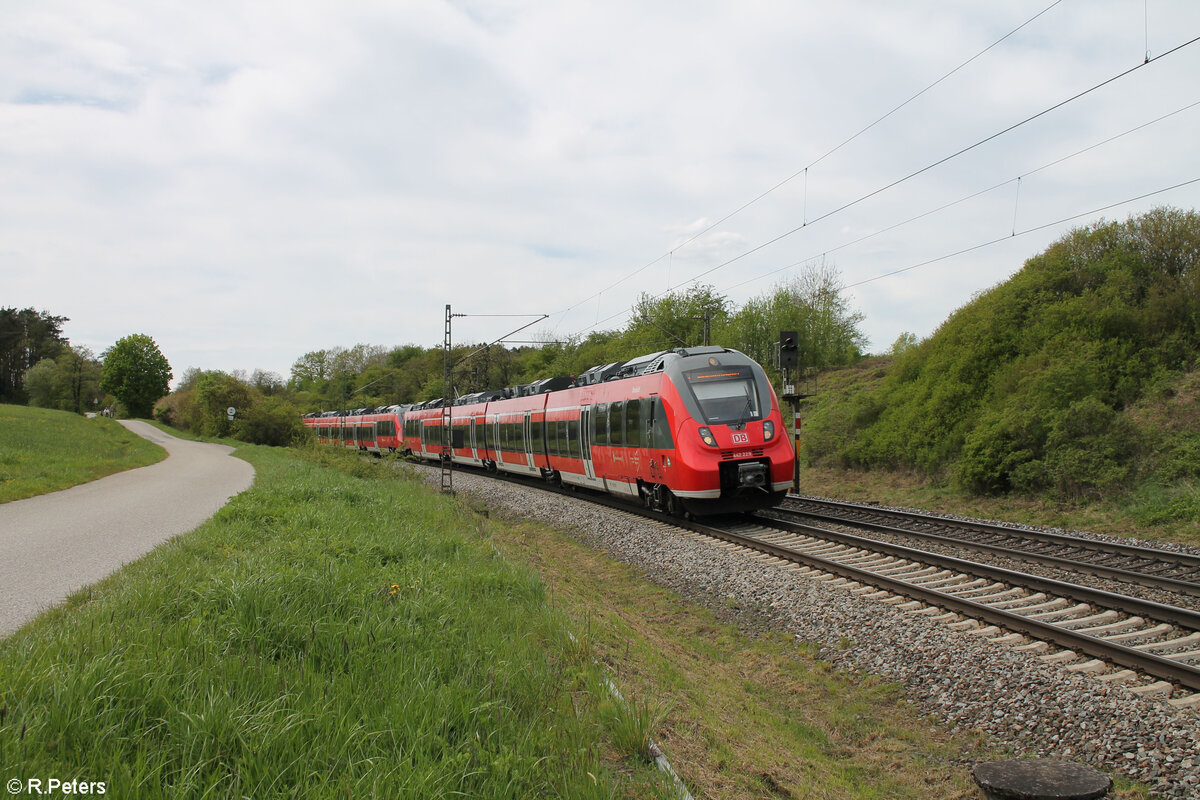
column 812, row 303
column 1075, row 377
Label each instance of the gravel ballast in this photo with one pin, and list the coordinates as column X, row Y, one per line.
column 1035, row 709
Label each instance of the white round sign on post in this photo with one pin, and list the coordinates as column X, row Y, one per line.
column 231, row 411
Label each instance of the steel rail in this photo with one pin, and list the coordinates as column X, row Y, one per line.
column 1188, row 560
column 1183, row 617
column 1100, row 570
column 1148, row 663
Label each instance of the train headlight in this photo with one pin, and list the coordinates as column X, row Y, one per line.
column 768, row 431
column 707, row 437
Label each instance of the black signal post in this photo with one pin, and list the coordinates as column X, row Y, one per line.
column 789, row 363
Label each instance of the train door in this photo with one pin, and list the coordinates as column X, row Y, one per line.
column 653, row 410
column 527, row 424
column 585, row 441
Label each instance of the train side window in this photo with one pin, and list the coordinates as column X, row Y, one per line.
column 536, row 439
column 660, row 429
column 552, row 438
column 600, row 423
column 616, row 423
column 634, row 434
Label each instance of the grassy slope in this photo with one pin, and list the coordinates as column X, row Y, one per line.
column 323, row 634
column 44, row 451
column 1136, row 514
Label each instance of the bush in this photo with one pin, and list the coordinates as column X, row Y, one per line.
column 273, row 421
column 1027, row 387
column 201, row 407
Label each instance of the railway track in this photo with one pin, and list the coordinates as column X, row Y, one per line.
column 1115, row 637
column 1162, row 570
column 1152, row 647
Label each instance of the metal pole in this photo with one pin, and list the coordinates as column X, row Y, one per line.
column 447, row 431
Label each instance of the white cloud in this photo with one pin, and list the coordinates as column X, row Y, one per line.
column 249, row 182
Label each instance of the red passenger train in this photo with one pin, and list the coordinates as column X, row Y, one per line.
column 694, row 430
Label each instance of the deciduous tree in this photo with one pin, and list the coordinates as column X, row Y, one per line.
column 136, row 373
column 70, row 382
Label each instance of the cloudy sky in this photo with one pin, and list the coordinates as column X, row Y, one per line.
column 249, row 181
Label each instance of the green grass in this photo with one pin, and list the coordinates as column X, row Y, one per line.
column 44, row 451
column 741, row 715
column 328, row 633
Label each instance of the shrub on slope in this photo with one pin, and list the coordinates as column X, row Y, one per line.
column 1026, row 387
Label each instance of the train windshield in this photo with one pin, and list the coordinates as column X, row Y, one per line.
column 725, row 396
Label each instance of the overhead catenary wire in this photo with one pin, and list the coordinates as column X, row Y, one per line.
column 914, row 174
column 942, row 160
column 818, row 160
column 1034, row 229
column 1004, row 238
column 968, row 197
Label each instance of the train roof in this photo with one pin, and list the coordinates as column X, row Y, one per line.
column 641, row 365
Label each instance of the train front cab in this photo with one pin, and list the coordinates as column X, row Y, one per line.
column 732, row 450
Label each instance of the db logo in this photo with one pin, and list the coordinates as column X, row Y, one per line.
column 741, row 438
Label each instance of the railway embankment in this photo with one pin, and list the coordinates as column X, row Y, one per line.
column 972, row 686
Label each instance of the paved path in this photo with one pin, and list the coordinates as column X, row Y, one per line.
column 53, row 544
